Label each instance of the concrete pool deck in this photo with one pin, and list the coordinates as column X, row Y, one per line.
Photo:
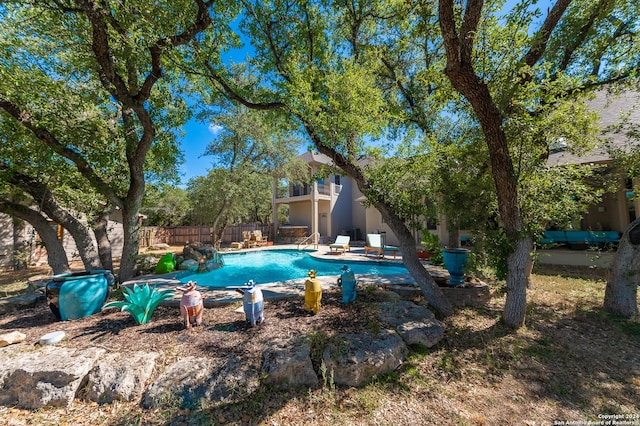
column 290, row 288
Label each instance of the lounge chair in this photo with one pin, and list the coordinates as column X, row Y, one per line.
column 341, row 243
column 374, row 244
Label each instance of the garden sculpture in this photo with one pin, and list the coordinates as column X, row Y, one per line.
column 349, row 285
column 312, row 293
column 191, row 306
column 253, row 303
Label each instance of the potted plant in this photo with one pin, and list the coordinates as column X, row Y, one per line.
column 430, row 245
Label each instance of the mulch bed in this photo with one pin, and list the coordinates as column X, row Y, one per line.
column 224, row 329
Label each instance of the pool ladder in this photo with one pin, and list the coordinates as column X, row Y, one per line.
column 315, row 237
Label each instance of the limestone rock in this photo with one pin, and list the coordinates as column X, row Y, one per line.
column 11, row 338
column 355, row 359
column 288, row 363
column 24, row 301
column 193, row 382
column 159, row 246
column 416, row 324
column 50, row 376
column 189, row 265
column 120, row 377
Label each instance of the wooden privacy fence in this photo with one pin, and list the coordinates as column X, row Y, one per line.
column 179, row 235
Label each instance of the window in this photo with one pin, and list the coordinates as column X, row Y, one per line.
column 336, row 179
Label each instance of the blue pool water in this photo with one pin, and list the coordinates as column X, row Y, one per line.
column 280, row 265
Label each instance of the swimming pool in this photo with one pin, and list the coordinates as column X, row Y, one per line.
column 280, row 265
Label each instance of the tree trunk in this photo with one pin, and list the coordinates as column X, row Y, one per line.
column 104, row 244
column 56, row 255
column 454, row 237
column 425, row 281
column 131, row 244
column 20, row 246
column 516, row 304
column 410, row 259
column 43, row 196
column 621, row 293
column 529, row 271
column 84, row 243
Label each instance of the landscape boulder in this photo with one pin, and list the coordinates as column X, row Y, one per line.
column 119, row 377
column 415, row 324
column 193, row 382
column 50, row 376
column 23, row 301
column 288, row 364
column 189, row 265
column 354, row 359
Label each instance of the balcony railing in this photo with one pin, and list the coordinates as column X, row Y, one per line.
column 300, row 190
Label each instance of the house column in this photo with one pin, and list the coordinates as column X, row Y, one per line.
column 274, row 209
column 314, row 208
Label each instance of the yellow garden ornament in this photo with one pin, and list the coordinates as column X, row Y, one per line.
column 312, row 293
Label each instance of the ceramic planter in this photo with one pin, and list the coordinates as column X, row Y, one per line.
column 78, row 294
column 455, row 260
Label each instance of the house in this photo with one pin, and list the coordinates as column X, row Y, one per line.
column 334, row 205
column 326, row 208
column 618, row 208
column 329, row 206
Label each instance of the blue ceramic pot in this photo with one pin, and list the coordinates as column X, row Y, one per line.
column 78, row 294
column 455, row 260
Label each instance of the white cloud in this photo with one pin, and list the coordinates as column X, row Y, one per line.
column 215, row 128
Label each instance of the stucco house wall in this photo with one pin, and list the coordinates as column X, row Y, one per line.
column 299, row 214
column 342, row 217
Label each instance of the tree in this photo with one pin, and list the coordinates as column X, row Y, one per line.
column 309, row 70
column 251, row 148
column 621, row 293
column 166, row 205
column 538, row 77
column 56, row 255
column 112, row 58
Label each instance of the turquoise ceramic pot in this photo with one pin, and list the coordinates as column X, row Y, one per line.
column 78, row 294
column 455, row 260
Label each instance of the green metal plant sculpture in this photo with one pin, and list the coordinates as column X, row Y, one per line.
column 141, row 301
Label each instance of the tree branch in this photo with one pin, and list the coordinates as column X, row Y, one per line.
column 469, row 28
column 24, row 117
column 575, row 42
column 541, row 38
column 233, row 94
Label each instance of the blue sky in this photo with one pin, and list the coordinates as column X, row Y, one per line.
column 198, row 135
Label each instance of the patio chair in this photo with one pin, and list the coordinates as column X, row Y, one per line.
column 341, row 243
column 259, row 239
column 248, row 240
column 374, row 244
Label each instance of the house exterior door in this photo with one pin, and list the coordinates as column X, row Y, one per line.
column 323, row 225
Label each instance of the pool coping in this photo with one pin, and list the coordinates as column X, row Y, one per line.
column 288, row 288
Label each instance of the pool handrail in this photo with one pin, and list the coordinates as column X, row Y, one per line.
column 314, row 241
